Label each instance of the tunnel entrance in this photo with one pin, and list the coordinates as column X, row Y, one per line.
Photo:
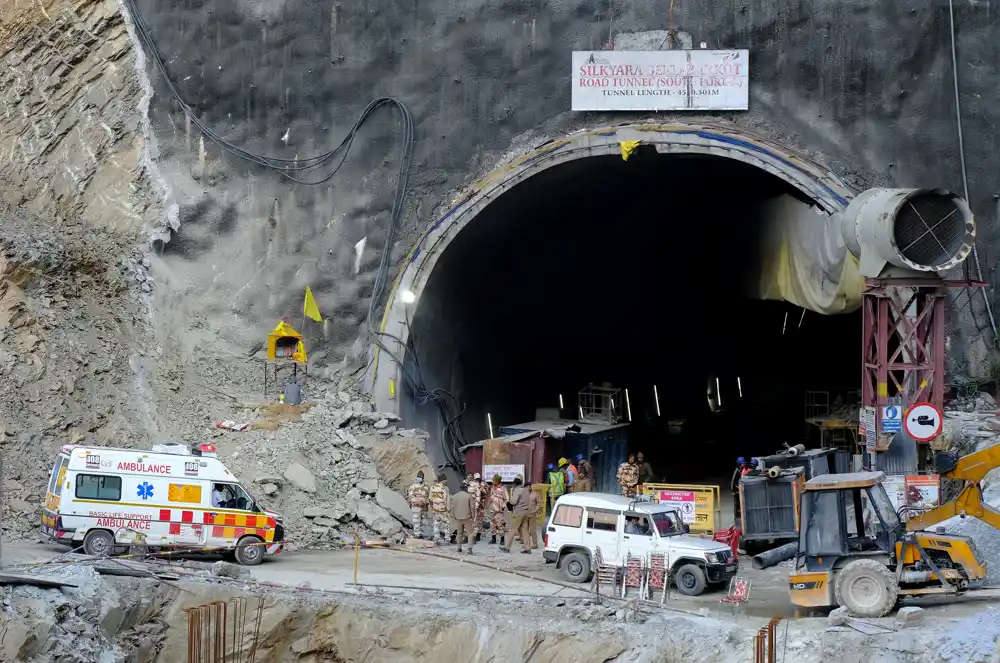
column 635, row 273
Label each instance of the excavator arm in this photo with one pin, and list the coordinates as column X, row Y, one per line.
column 972, row 469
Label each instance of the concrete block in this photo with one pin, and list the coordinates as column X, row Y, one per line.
column 908, row 617
column 838, row 617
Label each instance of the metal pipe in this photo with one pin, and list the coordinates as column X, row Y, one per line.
column 961, row 157
column 771, row 626
column 915, row 576
column 772, row 557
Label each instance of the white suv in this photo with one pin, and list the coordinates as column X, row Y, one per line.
column 619, row 526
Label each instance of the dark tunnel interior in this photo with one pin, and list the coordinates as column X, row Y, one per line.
column 635, row 273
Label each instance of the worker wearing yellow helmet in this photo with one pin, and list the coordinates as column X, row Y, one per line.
column 570, row 471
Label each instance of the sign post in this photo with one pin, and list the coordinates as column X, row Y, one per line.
column 923, row 422
column 892, row 418
column 506, row 472
column 661, row 80
column 868, row 428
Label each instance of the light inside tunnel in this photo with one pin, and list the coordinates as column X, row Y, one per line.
column 642, row 274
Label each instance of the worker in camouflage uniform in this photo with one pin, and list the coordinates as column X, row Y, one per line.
column 481, row 500
column 496, row 508
column 474, row 485
column 628, row 477
column 418, row 495
column 439, row 497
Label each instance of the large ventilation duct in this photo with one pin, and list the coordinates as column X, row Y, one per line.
column 915, row 230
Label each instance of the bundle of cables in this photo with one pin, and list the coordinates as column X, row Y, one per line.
column 292, row 169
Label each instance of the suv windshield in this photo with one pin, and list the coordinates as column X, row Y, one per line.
column 667, row 523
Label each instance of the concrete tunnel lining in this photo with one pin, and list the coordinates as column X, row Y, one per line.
column 820, row 185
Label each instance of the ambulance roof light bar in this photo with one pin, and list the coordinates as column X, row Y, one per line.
column 206, row 450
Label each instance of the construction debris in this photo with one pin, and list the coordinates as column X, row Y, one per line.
column 34, row 581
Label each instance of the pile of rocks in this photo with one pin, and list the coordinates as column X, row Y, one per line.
column 971, row 426
column 93, row 621
column 66, row 334
column 317, row 472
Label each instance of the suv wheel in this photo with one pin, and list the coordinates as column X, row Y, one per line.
column 690, row 580
column 576, row 567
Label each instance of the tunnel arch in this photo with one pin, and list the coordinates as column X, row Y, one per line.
column 813, row 181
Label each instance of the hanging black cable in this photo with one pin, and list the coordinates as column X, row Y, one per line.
column 451, row 412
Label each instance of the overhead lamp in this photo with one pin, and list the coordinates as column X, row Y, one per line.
column 739, row 385
column 407, row 296
column 628, row 405
column 561, row 406
column 656, row 397
column 489, row 423
column 718, row 392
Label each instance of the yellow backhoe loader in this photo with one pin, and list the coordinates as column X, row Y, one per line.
column 855, row 552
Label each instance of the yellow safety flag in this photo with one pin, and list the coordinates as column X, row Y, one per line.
column 309, row 308
column 628, row 147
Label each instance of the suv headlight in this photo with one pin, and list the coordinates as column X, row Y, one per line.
column 714, row 558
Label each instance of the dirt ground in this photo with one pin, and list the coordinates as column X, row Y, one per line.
column 391, row 571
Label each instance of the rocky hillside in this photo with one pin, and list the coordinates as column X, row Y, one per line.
column 69, row 332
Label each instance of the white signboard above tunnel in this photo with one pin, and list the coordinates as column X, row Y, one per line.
column 661, row 80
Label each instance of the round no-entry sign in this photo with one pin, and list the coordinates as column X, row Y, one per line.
column 923, row 422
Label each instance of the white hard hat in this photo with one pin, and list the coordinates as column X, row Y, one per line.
column 477, row 475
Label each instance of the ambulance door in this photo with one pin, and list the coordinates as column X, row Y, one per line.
column 52, row 497
column 188, row 498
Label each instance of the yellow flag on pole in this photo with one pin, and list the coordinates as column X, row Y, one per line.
column 309, row 307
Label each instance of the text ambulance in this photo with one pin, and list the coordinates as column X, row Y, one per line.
column 171, row 497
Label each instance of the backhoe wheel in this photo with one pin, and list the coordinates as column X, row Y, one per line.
column 866, row 588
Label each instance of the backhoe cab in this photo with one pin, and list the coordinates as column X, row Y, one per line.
column 855, row 552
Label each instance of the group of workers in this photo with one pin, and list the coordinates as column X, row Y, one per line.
column 633, row 473
column 570, row 477
column 462, row 515
column 510, row 513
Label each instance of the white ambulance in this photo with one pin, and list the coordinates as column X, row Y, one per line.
column 110, row 500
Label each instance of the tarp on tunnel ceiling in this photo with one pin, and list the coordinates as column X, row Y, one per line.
column 805, row 260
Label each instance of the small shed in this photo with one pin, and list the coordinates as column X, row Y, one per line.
column 604, row 444
column 526, row 449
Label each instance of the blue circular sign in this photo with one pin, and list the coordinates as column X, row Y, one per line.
column 892, row 412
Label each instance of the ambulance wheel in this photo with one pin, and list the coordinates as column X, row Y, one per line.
column 98, row 543
column 249, row 552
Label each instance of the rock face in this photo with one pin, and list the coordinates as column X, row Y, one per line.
column 799, row 89
column 85, row 160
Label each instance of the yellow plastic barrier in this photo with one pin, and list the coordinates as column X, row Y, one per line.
column 543, row 494
column 700, row 505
